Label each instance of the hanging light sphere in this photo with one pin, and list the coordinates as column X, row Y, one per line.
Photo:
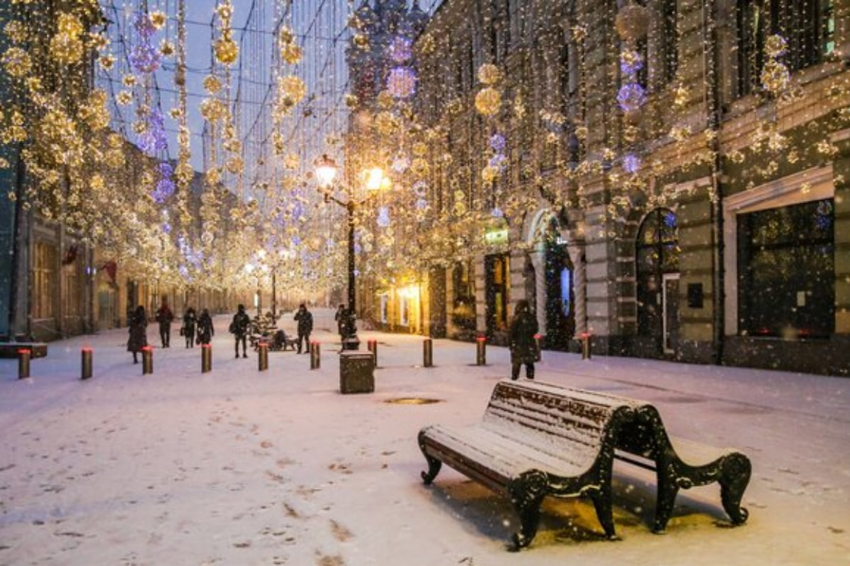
column 487, row 101
column 401, row 82
column 632, row 22
column 400, row 50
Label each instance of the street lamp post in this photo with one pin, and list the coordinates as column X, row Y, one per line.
column 326, row 170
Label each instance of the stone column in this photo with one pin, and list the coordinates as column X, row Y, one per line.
column 576, row 251
column 538, row 260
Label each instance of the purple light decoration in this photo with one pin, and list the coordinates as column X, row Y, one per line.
column 401, row 164
column 401, row 82
column 631, row 163
column 421, row 204
column 629, row 66
column 383, row 217
column 497, row 142
column 144, row 58
column 631, row 97
column 498, row 160
column 165, row 186
column 153, row 140
column 497, row 213
column 400, row 49
column 420, row 188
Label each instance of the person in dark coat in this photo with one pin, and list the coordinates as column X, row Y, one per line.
column 305, row 327
column 205, row 327
column 187, row 331
column 138, row 332
column 340, row 317
column 523, row 345
column 239, row 329
column 164, row 316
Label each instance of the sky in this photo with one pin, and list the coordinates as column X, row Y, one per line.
column 322, row 32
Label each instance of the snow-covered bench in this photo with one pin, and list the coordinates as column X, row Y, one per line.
column 537, row 440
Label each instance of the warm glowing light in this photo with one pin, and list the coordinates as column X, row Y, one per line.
column 375, row 179
column 325, row 170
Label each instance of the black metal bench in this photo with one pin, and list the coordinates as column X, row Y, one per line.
column 537, row 440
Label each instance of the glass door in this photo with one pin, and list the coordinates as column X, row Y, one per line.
column 670, row 304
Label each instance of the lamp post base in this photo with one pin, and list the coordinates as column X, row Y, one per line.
column 351, row 343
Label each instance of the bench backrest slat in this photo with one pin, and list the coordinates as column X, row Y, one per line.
column 552, row 418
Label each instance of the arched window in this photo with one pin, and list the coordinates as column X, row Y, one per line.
column 657, row 253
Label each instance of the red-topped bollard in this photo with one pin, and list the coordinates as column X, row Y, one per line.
column 585, row 345
column 373, row 347
column 315, row 355
column 538, row 344
column 147, row 360
column 86, row 363
column 481, row 357
column 263, row 356
column 24, row 363
column 206, row 358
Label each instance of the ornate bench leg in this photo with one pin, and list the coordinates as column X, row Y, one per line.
column 734, row 477
column 527, row 493
column 665, row 499
column 604, row 510
column 434, row 466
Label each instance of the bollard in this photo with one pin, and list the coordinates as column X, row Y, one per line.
column 147, row 360
column 538, row 343
column 206, row 358
column 263, row 356
column 585, row 346
column 427, row 353
column 373, row 347
column 86, row 363
column 481, row 359
column 315, row 355
column 24, row 363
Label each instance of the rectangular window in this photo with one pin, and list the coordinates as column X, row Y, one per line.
column 786, row 271
column 44, row 280
column 670, row 38
column 498, row 289
column 808, row 27
column 72, row 286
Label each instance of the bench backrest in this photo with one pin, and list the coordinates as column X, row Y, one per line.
column 558, row 419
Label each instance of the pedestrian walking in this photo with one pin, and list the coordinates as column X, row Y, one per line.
column 239, row 329
column 523, row 346
column 205, row 327
column 138, row 332
column 305, row 327
column 187, row 331
column 164, row 316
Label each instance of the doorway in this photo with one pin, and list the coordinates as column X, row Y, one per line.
column 670, row 308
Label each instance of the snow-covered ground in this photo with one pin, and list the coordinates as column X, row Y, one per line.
column 237, row 467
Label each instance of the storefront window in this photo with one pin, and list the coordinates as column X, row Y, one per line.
column 786, row 271
column 498, row 288
column 463, row 312
column 44, row 280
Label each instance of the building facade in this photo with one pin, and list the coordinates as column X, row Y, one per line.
column 668, row 177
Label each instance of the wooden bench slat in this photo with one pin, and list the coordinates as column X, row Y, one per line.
column 509, row 456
